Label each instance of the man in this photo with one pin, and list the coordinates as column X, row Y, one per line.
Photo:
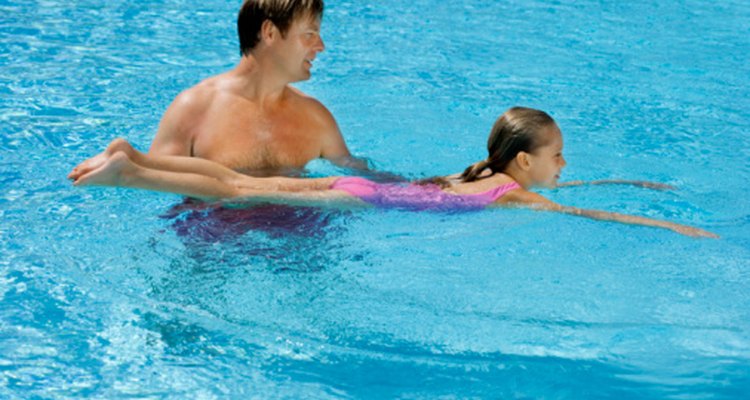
column 249, row 118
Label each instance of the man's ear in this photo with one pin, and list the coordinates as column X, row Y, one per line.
column 268, row 31
column 523, row 160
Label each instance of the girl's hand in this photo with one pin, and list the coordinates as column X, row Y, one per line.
column 693, row 232
column 643, row 184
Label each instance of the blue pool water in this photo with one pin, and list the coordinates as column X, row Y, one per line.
column 116, row 294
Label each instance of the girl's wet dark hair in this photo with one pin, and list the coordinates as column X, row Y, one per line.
column 518, row 129
column 281, row 12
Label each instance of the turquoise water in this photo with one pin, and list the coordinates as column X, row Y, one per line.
column 124, row 294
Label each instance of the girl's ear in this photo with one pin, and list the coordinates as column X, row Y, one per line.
column 268, row 31
column 523, row 160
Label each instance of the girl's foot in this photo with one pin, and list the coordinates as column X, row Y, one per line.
column 117, row 145
column 111, row 173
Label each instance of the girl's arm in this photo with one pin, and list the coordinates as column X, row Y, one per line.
column 643, row 184
column 537, row 201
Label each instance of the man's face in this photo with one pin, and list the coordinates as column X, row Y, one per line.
column 299, row 47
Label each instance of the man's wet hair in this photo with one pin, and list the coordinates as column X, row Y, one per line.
column 280, row 12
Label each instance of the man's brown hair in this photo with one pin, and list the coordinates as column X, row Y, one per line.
column 280, row 12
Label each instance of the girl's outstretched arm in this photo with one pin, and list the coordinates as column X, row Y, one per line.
column 643, row 184
column 537, row 201
column 636, row 220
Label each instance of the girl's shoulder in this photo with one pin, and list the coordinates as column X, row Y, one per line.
column 522, row 196
column 478, row 186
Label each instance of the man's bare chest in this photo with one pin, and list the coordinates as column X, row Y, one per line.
column 256, row 145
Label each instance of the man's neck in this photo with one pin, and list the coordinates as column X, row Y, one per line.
column 259, row 82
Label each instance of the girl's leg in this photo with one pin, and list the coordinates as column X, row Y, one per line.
column 283, row 184
column 215, row 170
column 165, row 163
column 119, row 171
column 195, row 165
column 199, row 166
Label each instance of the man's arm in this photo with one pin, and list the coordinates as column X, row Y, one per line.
column 334, row 149
column 333, row 146
column 340, row 156
column 174, row 136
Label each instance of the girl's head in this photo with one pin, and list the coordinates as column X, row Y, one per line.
column 523, row 141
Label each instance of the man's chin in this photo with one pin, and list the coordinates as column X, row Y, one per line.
column 302, row 77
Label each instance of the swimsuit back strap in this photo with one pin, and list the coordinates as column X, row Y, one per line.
column 495, row 193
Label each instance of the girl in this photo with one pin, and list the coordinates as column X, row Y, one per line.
column 525, row 150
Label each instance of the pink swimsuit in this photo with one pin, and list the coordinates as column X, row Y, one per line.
column 417, row 197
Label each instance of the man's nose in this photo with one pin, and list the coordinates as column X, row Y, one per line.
column 320, row 46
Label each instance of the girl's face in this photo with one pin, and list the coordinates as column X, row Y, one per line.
column 546, row 162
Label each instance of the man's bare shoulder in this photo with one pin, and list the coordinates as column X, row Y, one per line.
column 192, row 105
column 322, row 123
column 312, row 108
column 177, row 128
column 197, row 97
